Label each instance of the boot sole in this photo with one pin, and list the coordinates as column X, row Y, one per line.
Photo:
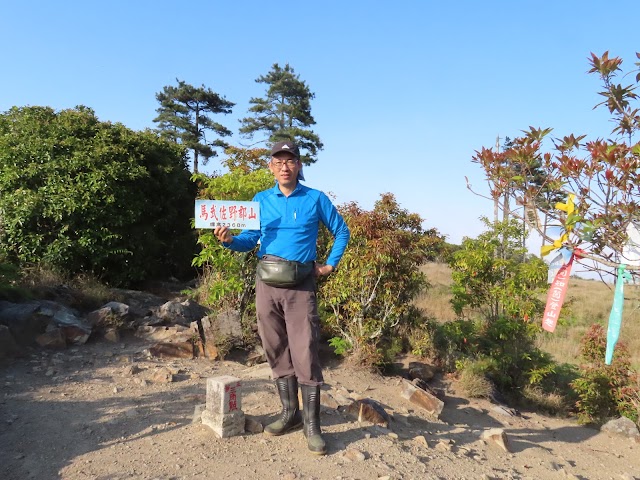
column 288, row 430
column 324, row 452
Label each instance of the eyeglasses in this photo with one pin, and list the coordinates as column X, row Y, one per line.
column 290, row 162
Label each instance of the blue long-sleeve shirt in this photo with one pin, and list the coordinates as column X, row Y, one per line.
column 289, row 226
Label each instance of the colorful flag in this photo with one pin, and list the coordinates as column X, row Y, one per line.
column 615, row 317
column 555, row 297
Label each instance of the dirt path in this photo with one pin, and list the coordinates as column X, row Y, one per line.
column 106, row 411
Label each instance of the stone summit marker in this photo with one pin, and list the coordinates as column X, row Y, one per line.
column 223, row 413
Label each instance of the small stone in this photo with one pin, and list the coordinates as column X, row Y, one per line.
column 197, row 413
column 498, row 437
column 162, row 375
column 354, row 455
column 444, row 446
column 131, row 370
column 420, row 439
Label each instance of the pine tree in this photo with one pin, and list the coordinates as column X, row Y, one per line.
column 184, row 117
column 284, row 113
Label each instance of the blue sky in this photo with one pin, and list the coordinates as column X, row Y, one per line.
column 405, row 91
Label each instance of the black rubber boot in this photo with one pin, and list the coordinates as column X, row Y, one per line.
column 290, row 417
column 311, row 415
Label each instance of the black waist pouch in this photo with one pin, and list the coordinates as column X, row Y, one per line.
column 277, row 272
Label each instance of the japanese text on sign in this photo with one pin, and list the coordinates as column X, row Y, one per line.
column 232, row 214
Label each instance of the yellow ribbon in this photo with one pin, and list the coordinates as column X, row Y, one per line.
column 569, row 208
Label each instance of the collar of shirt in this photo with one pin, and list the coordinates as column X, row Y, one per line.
column 299, row 188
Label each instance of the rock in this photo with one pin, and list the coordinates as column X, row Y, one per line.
column 197, row 413
column 225, row 328
column 110, row 315
column 172, row 350
column 504, row 410
column 368, row 410
column 175, row 333
column 112, row 335
column 228, row 324
column 354, row 455
column 497, row 436
column 422, row 398
column 23, row 321
column 623, row 427
column 421, row 370
column 52, row 338
column 140, row 303
column 182, row 313
column 162, row 375
column 131, row 370
column 75, row 330
column 444, row 446
column 421, row 440
column 256, row 356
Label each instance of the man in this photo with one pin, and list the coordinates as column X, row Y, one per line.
column 288, row 322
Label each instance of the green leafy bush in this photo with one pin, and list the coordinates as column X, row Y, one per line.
column 605, row 390
column 82, row 195
column 497, row 286
column 368, row 300
column 228, row 278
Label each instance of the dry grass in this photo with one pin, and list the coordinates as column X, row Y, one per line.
column 549, row 402
column 435, row 301
column 587, row 302
column 474, row 384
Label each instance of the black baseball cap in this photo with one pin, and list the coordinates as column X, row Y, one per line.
column 286, row 146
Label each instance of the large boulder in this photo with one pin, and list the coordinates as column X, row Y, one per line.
column 23, row 320
column 27, row 321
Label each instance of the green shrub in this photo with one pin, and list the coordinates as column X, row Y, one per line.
column 605, row 390
column 82, row 195
column 496, row 288
column 227, row 278
column 368, row 301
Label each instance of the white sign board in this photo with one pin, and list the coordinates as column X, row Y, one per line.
column 232, row 214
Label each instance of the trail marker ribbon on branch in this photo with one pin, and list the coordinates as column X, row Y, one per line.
column 615, row 317
column 555, row 297
column 568, row 207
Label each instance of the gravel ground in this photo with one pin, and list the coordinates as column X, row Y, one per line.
column 108, row 411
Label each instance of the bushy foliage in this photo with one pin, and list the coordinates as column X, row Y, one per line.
column 493, row 276
column 228, row 278
column 605, row 390
column 88, row 196
column 370, row 295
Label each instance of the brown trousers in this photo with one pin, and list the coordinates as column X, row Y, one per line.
column 289, row 327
